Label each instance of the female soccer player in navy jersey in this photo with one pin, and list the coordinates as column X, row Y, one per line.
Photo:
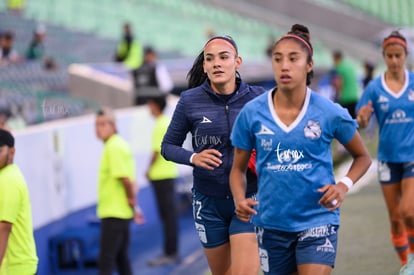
column 390, row 97
column 208, row 110
column 296, row 213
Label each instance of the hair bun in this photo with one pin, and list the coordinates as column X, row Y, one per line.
column 397, row 33
column 301, row 29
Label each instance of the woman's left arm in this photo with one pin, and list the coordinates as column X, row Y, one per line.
column 335, row 193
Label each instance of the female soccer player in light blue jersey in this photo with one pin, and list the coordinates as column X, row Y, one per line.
column 291, row 127
column 391, row 98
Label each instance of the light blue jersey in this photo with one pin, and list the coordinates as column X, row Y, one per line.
column 395, row 115
column 293, row 161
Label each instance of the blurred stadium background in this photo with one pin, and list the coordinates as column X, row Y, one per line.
column 57, row 149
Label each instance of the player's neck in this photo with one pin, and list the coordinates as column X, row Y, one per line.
column 290, row 99
column 395, row 76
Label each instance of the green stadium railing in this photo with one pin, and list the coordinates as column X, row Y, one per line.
column 396, row 12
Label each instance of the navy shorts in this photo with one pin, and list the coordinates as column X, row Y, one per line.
column 391, row 172
column 215, row 220
column 280, row 252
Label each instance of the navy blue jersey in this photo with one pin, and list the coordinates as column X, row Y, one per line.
column 209, row 117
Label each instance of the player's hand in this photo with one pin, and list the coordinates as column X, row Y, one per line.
column 364, row 114
column 208, row 159
column 138, row 215
column 334, row 195
column 244, row 209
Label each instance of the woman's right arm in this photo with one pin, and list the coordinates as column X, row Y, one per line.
column 364, row 108
column 364, row 114
column 171, row 147
column 243, row 205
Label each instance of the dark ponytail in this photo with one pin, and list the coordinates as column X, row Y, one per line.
column 196, row 75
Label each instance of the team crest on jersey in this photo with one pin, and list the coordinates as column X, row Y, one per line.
column 411, row 95
column 312, row 129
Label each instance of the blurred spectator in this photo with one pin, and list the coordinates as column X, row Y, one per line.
column 4, row 117
column 326, row 85
column 152, row 78
column 162, row 175
column 17, row 244
column 116, row 196
column 16, row 120
column 36, row 49
column 8, row 55
column 49, row 64
column 346, row 83
column 368, row 73
column 11, row 120
column 16, row 6
column 129, row 50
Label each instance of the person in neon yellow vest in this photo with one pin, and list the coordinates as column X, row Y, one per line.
column 15, row 5
column 17, row 244
column 129, row 50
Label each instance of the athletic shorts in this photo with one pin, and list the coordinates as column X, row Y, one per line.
column 391, row 172
column 280, row 252
column 215, row 220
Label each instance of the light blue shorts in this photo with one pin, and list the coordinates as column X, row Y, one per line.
column 215, row 220
column 281, row 252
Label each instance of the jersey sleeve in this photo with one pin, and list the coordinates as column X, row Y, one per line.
column 241, row 136
column 171, row 146
column 10, row 200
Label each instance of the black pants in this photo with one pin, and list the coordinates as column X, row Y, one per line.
column 167, row 209
column 114, row 245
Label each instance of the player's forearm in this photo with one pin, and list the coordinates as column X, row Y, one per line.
column 129, row 188
column 238, row 174
column 5, row 229
column 238, row 184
